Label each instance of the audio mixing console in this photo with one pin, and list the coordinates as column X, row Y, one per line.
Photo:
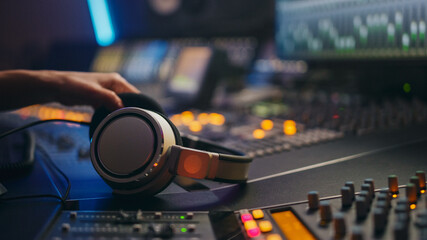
column 396, row 212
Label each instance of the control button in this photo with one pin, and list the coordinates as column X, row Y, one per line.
column 393, row 184
column 361, row 208
column 73, row 215
column 422, row 178
column 65, row 227
column 346, row 197
column 411, row 192
column 400, row 230
column 367, row 187
column 325, row 212
column 191, row 227
column 416, row 181
column 137, row 227
column 386, row 198
column 351, row 186
column 339, row 225
column 245, row 216
column 258, row 214
column 313, row 200
column 274, row 236
column 158, row 215
column 370, row 181
column 265, row 226
column 250, row 224
column 383, row 205
column 366, row 196
column 252, row 228
column 356, row 233
column 380, row 220
column 189, row 215
column 422, row 219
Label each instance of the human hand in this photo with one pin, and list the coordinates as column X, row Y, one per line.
column 19, row 88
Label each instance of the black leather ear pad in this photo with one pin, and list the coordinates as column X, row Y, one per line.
column 133, row 100
column 129, row 100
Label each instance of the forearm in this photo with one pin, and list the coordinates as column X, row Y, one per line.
column 19, row 88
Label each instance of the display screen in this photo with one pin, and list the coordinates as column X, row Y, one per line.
column 318, row 29
column 190, row 69
column 291, row 226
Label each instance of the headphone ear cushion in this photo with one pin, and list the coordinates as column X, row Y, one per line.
column 129, row 100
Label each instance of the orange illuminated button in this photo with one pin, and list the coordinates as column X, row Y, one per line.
column 250, row 224
column 258, row 214
column 274, row 237
column 265, row 226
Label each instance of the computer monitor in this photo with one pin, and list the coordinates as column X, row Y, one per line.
column 351, row 29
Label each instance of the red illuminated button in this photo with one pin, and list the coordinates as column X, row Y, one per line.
column 253, row 232
column 245, row 216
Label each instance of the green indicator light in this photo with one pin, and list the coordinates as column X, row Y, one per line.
column 406, row 87
column 183, row 230
column 182, row 217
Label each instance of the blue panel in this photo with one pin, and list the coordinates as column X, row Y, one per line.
column 101, row 21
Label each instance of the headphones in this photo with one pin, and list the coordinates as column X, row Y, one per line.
column 138, row 150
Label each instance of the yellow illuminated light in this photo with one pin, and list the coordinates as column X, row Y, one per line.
column 155, row 164
column 289, row 127
column 394, row 195
column 176, row 120
column 267, row 124
column 250, row 224
column 258, row 214
column 291, row 226
column 195, row 126
column 216, row 119
column 423, row 191
column 203, row 118
column 187, row 117
column 258, row 134
column 413, row 206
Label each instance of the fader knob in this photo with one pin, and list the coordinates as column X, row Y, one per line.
column 346, row 197
column 370, row 181
column 368, row 188
column 380, row 220
column 356, row 233
column 400, row 230
column 351, row 186
column 393, row 184
column 411, row 193
column 422, row 178
column 416, row 181
column 313, row 200
column 361, row 208
column 339, row 225
column 386, row 198
column 325, row 212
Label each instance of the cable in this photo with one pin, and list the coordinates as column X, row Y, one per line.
column 7, row 133
column 48, row 160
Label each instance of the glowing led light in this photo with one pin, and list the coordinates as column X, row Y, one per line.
column 246, row 217
column 195, row 126
column 183, row 230
column 254, row 232
column 155, row 164
column 394, row 195
column 216, row 119
column 423, row 191
column 267, row 124
column 258, row 134
column 406, row 87
column 182, row 217
column 413, row 206
column 203, row 118
column 336, row 116
column 101, row 21
column 187, row 117
column 251, row 224
column 289, row 127
column 176, row 120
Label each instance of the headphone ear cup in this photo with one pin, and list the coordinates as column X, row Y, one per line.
column 129, row 100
